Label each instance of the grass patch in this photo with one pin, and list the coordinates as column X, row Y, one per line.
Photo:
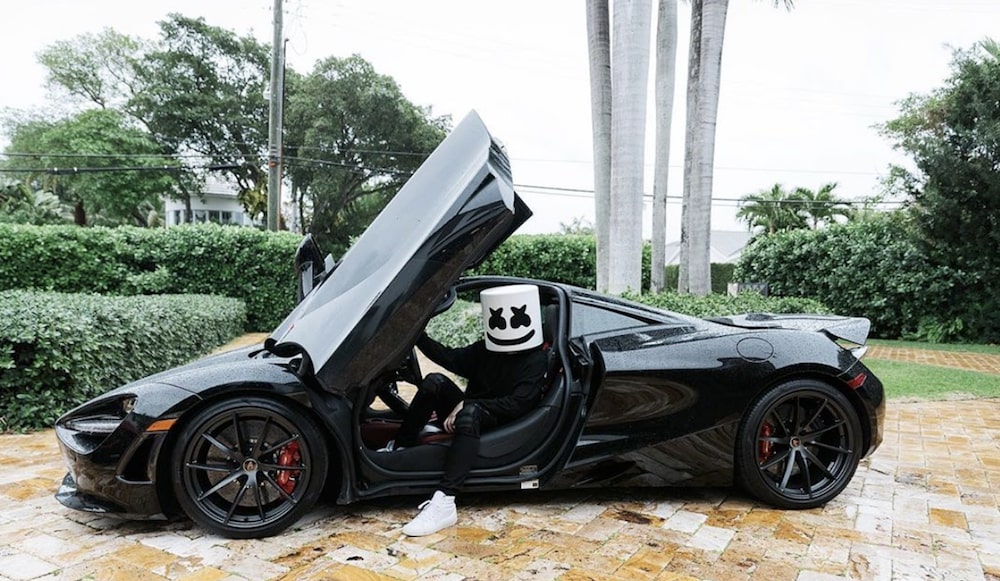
column 950, row 347
column 929, row 382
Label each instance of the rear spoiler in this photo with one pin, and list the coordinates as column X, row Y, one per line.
column 851, row 329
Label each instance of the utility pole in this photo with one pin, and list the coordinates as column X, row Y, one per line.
column 275, row 122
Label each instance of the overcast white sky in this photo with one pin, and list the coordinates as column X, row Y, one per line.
column 801, row 90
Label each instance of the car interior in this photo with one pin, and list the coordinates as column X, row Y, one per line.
column 519, row 442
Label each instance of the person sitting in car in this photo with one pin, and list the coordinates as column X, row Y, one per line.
column 505, row 372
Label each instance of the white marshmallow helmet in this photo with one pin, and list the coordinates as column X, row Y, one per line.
column 512, row 317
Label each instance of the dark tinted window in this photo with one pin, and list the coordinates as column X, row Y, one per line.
column 589, row 319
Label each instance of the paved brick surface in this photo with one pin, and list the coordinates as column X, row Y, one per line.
column 925, row 506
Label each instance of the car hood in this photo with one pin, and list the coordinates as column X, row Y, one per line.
column 366, row 312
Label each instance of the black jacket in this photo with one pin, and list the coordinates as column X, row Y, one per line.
column 507, row 385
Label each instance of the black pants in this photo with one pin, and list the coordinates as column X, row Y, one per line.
column 439, row 394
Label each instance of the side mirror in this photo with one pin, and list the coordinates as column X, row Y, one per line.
column 309, row 265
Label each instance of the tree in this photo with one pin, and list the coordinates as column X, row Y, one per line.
column 821, row 206
column 952, row 134
column 354, row 139
column 708, row 26
column 773, row 210
column 666, row 68
column 599, row 49
column 114, row 71
column 99, row 69
column 94, row 161
column 204, row 93
column 629, row 76
column 577, row 227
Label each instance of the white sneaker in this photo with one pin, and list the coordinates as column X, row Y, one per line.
column 435, row 514
column 391, row 446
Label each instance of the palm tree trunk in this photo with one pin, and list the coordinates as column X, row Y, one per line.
column 666, row 72
column 599, row 49
column 708, row 25
column 629, row 80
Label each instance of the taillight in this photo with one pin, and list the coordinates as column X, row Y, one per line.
column 857, row 381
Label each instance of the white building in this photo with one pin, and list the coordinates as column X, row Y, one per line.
column 726, row 246
column 220, row 206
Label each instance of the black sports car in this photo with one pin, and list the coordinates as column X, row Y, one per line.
column 244, row 442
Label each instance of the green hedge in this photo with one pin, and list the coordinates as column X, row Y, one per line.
column 254, row 266
column 58, row 350
column 722, row 275
column 718, row 305
column 569, row 259
column 244, row 263
column 572, row 259
column 869, row 268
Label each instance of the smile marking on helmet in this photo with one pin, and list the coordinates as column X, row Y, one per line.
column 518, row 318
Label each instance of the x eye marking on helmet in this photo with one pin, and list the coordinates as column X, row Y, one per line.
column 519, row 318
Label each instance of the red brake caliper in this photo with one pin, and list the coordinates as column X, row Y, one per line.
column 288, row 456
column 766, row 447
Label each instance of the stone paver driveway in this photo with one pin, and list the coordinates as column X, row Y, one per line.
column 925, row 506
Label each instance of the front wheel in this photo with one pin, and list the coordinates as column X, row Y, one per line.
column 248, row 468
column 799, row 445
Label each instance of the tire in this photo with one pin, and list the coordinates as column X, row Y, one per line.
column 799, row 445
column 248, row 468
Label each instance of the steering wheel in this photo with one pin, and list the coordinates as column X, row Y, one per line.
column 409, row 370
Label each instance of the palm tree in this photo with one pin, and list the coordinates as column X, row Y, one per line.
column 773, row 210
column 20, row 204
column 629, row 77
column 822, row 206
column 666, row 69
column 708, row 26
column 599, row 49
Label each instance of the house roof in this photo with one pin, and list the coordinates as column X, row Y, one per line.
column 725, row 246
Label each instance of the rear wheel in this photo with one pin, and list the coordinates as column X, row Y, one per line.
column 799, row 445
column 248, row 468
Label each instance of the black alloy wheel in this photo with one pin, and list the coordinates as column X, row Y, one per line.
column 248, row 468
column 799, row 445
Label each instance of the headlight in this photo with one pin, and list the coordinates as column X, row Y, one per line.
column 86, row 427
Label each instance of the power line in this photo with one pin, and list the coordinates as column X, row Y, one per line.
column 357, row 168
column 406, row 153
column 80, row 170
column 589, row 194
column 107, row 155
column 529, row 188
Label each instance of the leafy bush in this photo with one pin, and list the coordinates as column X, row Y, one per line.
column 570, row 259
column 721, row 305
column 61, row 258
column 458, row 326
column 252, row 265
column 57, row 350
column 722, row 275
column 869, row 268
column 565, row 258
column 244, row 263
